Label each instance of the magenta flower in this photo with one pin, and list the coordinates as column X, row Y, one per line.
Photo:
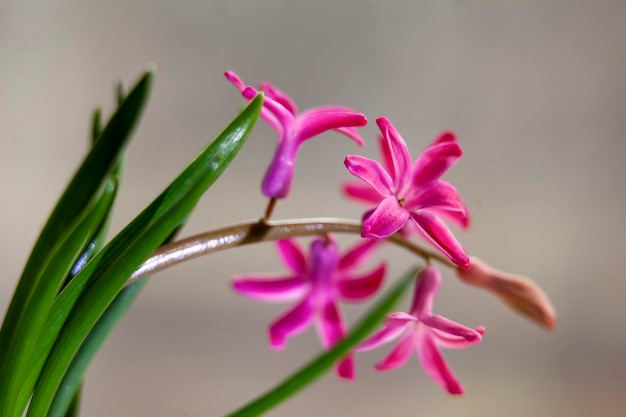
column 424, row 332
column 404, row 191
column 281, row 113
column 318, row 283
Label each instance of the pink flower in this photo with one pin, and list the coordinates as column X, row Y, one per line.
column 318, row 283
column 520, row 293
column 404, row 191
column 281, row 113
column 424, row 332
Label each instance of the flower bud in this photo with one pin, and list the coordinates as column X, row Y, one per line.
column 520, row 293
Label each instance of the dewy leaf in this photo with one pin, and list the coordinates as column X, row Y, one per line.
column 324, row 362
column 85, row 184
column 106, row 274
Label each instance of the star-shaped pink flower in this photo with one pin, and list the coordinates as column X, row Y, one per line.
column 292, row 129
column 318, row 281
column 404, row 191
column 423, row 331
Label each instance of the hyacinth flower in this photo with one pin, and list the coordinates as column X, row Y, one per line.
column 520, row 293
column 423, row 332
column 293, row 128
column 405, row 191
column 318, row 281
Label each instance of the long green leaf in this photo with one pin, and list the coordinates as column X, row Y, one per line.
column 85, row 184
column 70, row 385
column 104, row 276
column 324, row 362
column 53, row 274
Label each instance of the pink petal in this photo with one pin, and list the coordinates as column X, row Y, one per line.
column 345, row 367
column 385, row 153
column 331, row 325
column 451, row 327
column 385, row 220
column 392, row 329
column 292, row 255
column 449, row 341
column 370, row 171
column 426, row 288
column 400, row 354
column 435, row 366
column 395, row 146
column 284, row 289
column 436, row 231
column 352, row 133
column 289, row 324
column 444, row 137
column 265, row 113
column 320, row 119
column 436, row 194
column 361, row 192
column 285, row 119
column 357, row 254
column 278, row 95
column 434, row 162
column 361, row 288
column 400, row 318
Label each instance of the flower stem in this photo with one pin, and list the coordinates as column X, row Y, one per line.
column 256, row 231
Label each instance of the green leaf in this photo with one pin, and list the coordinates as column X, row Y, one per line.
column 325, row 361
column 104, row 326
column 84, row 186
column 53, row 274
column 70, row 385
column 105, row 275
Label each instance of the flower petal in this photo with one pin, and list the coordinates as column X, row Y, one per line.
column 357, row 254
column 361, row 192
column 286, row 120
column 278, row 95
column 345, row 367
column 265, row 113
column 436, row 194
column 352, row 133
column 273, row 290
column 434, row 162
column 449, row 341
column 331, row 325
column 363, row 287
column 436, row 231
column 451, row 327
column 435, row 366
column 292, row 255
column 289, row 324
column 386, row 219
column 400, row 354
column 370, row 171
column 385, row 153
column 427, row 286
column 395, row 146
column 318, row 120
column 391, row 330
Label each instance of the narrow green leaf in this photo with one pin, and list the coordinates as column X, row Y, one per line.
column 70, row 385
column 325, row 361
column 104, row 276
column 103, row 327
column 62, row 258
column 85, row 184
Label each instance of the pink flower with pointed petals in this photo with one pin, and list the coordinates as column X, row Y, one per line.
column 281, row 113
column 318, row 281
column 423, row 331
column 404, row 191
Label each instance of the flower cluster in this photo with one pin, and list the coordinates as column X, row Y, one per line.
column 404, row 198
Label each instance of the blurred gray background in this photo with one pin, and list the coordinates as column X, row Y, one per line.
column 536, row 91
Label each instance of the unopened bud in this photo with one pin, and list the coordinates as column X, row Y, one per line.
column 520, row 293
